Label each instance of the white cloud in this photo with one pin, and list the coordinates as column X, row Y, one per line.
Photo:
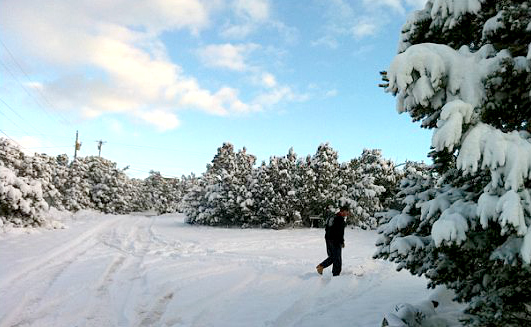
column 120, row 63
column 364, row 29
column 161, row 119
column 238, row 31
column 227, row 55
column 327, row 40
column 101, row 57
column 360, row 19
column 115, row 126
column 277, row 95
column 248, row 16
column 395, row 5
column 29, row 144
column 252, row 10
column 331, row 93
column 268, row 80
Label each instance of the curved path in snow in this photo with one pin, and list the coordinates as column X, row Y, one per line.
column 106, row 270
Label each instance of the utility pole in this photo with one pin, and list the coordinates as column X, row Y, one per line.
column 77, row 146
column 100, row 144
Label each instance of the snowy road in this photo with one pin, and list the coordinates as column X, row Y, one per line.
column 158, row 271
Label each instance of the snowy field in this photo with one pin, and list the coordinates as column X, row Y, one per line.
column 105, row 270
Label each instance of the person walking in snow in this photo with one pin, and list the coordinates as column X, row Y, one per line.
column 334, row 236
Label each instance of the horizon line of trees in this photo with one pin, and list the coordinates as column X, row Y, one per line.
column 231, row 192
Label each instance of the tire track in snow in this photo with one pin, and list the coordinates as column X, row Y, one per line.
column 108, row 276
column 153, row 316
column 128, row 245
column 42, row 276
column 44, row 273
column 60, row 254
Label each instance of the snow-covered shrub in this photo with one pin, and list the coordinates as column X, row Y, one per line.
column 223, row 195
column 464, row 68
column 96, row 183
column 39, row 167
column 275, row 192
column 324, row 183
column 164, row 194
column 76, row 186
column 288, row 190
column 111, row 190
column 21, row 201
column 370, row 182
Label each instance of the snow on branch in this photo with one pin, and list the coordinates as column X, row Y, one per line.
column 449, row 127
column 404, row 245
column 452, row 10
column 452, row 225
column 432, row 74
column 507, row 155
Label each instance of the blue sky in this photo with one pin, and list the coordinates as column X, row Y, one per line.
column 165, row 83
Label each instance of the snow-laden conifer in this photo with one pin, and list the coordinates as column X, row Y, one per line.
column 21, row 201
column 463, row 69
column 38, row 167
column 223, row 196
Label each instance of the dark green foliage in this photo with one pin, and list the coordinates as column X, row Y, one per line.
column 290, row 190
column 484, row 261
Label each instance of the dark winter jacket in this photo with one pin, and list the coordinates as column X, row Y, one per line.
column 335, row 229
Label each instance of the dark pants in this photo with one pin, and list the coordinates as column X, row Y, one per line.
column 333, row 248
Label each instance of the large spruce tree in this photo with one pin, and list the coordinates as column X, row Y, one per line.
column 463, row 69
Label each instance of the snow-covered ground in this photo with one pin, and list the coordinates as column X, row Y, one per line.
column 106, row 270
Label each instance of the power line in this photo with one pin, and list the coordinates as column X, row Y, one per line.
column 32, row 85
column 30, row 95
column 50, row 147
column 7, row 117
column 12, row 140
column 160, row 148
column 22, row 118
column 39, row 134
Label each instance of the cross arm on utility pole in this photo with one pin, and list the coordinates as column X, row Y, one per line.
column 100, row 144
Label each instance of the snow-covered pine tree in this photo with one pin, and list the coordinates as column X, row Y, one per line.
column 110, row 188
column 163, row 194
column 275, row 191
column 264, row 196
column 371, row 182
column 415, row 190
column 286, row 185
column 305, row 188
column 188, row 183
column 194, row 202
column 21, row 201
column 76, row 186
column 464, row 68
column 172, row 195
column 361, row 194
column 324, row 186
column 384, row 172
column 223, row 195
column 141, row 200
column 39, row 167
column 244, row 211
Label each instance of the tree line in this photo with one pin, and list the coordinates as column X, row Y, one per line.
column 233, row 191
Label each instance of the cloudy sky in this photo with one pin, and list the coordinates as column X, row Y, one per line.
column 165, row 82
